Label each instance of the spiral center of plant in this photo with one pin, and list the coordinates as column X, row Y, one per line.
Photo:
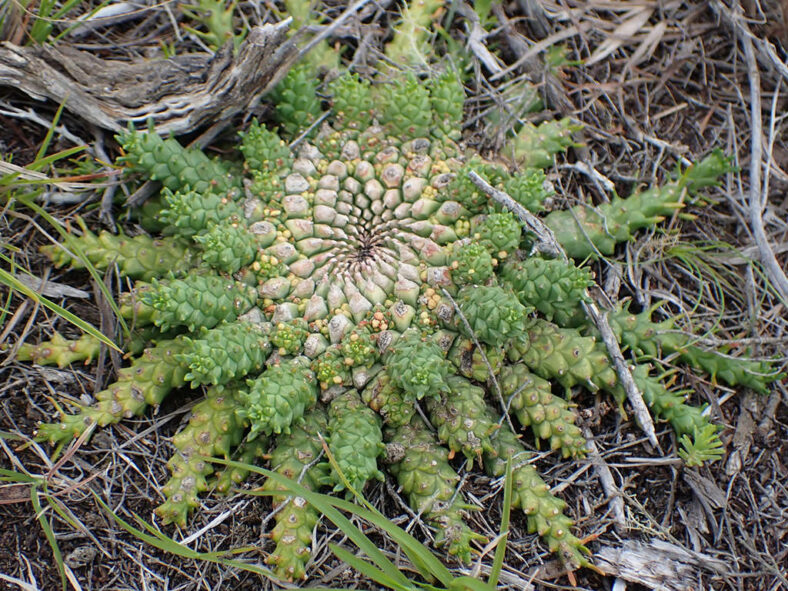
column 359, row 224
column 366, row 252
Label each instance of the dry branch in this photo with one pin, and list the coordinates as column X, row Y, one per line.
column 607, row 481
column 178, row 94
column 757, row 197
column 757, row 201
column 547, row 243
column 657, row 564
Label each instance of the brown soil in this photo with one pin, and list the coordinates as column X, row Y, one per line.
column 671, row 89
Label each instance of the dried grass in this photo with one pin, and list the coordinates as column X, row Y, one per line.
column 663, row 83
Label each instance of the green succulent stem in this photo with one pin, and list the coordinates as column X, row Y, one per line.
column 168, row 162
column 532, row 496
column 193, row 301
column 249, row 452
column 61, row 351
column 227, row 352
column 355, row 440
column 550, row 417
column 424, row 474
column 144, row 383
column 535, row 146
column 494, row 315
column 417, row 366
column 564, row 355
column 699, row 437
column 461, row 419
column 648, row 338
column 554, row 287
column 278, row 398
column 295, row 457
column 213, row 431
column 411, row 34
column 137, row 257
column 586, row 232
column 297, row 103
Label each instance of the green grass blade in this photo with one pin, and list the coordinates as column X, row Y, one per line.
column 469, row 584
column 500, row 550
column 9, row 436
column 77, row 22
column 429, row 566
column 331, row 588
column 425, row 561
column 6, row 308
column 351, row 531
column 12, row 282
column 47, row 160
column 57, row 508
column 320, row 502
column 84, row 259
column 366, row 568
column 29, row 201
column 50, row 535
column 42, row 25
column 162, row 542
column 17, row 477
column 42, row 150
column 164, row 538
column 48, row 13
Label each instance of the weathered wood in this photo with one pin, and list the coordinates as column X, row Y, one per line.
column 657, row 564
column 178, row 94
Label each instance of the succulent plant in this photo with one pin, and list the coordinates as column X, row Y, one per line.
column 364, row 279
column 61, row 351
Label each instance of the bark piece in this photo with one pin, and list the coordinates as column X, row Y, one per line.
column 657, row 564
column 178, row 94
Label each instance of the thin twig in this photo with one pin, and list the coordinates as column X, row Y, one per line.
column 767, row 50
column 493, row 379
column 335, row 24
column 476, row 39
column 605, row 476
column 757, row 197
column 547, row 243
column 30, row 115
column 140, row 196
